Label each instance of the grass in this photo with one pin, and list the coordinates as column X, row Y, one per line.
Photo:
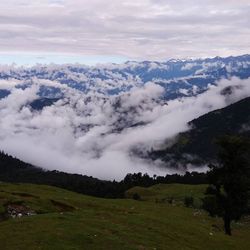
column 67, row 220
column 165, row 192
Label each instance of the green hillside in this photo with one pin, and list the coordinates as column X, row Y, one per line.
column 59, row 219
column 175, row 193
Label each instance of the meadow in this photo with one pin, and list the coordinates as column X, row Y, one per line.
column 60, row 219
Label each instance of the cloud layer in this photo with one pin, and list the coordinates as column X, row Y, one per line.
column 94, row 134
column 140, row 29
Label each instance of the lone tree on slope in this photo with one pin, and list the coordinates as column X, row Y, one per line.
column 228, row 193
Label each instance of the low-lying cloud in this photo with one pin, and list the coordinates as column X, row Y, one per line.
column 94, row 134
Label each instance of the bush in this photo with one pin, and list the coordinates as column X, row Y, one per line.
column 136, row 197
column 189, row 201
column 170, row 200
column 209, row 203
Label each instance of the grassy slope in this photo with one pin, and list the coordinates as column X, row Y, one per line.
column 111, row 224
column 164, row 192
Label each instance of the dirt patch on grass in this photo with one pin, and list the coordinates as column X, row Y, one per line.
column 62, row 207
column 25, row 195
column 17, row 210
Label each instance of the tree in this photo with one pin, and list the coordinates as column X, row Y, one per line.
column 228, row 193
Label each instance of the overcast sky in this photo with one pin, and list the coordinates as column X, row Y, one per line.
column 119, row 30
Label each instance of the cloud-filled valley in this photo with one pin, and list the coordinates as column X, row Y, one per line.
column 79, row 126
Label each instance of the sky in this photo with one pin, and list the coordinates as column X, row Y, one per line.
column 99, row 31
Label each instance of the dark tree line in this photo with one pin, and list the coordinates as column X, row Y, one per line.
column 16, row 171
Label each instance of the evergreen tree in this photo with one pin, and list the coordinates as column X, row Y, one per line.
column 228, row 193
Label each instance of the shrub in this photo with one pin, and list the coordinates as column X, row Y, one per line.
column 136, row 197
column 170, row 200
column 189, row 201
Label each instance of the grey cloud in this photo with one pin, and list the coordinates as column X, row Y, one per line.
column 140, row 29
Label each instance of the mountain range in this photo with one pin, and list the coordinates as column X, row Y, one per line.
column 178, row 77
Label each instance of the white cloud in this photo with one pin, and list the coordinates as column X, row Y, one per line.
column 94, row 134
column 8, row 84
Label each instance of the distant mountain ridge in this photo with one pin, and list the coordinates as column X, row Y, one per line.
column 178, row 77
